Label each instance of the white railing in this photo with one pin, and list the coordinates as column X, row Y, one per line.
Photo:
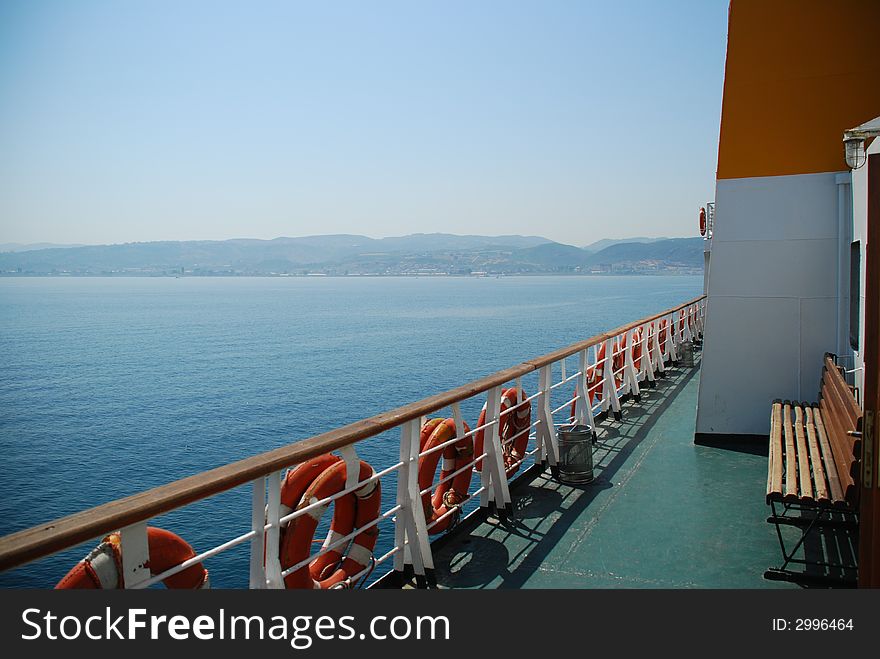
column 633, row 359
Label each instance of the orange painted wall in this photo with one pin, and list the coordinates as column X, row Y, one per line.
column 798, row 73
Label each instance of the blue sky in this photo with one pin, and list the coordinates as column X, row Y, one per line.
column 136, row 121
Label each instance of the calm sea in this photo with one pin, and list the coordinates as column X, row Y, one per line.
column 111, row 386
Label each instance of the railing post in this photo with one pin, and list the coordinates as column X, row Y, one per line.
column 494, row 451
column 520, row 396
column 646, row 367
column 603, row 403
column 409, row 535
column 672, row 338
column 486, row 480
column 403, row 557
column 679, row 333
column 352, row 465
column 273, row 535
column 631, row 377
column 584, row 406
column 258, row 542
column 418, row 524
column 659, row 366
column 135, row 551
column 458, row 419
column 546, row 433
column 609, row 388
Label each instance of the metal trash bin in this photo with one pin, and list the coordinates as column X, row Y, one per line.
column 687, row 354
column 575, row 453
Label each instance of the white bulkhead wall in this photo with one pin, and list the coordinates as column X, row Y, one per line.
column 772, row 298
column 860, row 233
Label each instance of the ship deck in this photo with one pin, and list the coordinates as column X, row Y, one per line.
column 661, row 512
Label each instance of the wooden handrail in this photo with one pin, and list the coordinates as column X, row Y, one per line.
column 44, row 539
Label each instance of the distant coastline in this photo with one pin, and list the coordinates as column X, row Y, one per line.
column 672, row 272
column 417, row 255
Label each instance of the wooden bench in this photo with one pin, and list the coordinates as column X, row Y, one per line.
column 813, row 470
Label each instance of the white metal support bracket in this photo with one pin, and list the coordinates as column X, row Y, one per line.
column 494, row 451
column 417, row 527
column 459, row 420
column 273, row 535
column 547, row 432
column 657, row 359
column 352, row 465
column 672, row 338
column 410, row 528
column 609, row 390
column 257, row 579
column 646, row 367
column 135, row 551
column 584, row 407
column 631, row 377
column 403, row 557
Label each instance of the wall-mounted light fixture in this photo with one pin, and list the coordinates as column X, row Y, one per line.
column 854, row 147
column 854, row 142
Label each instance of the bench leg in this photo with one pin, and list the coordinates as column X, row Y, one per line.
column 789, row 556
column 806, row 526
column 818, row 580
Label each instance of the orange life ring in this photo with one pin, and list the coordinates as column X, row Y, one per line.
column 102, row 568
column 702, row 221
column 452, row 493
column 297, row 480
column 353, row 510
column 511, row 423
column 427, row 429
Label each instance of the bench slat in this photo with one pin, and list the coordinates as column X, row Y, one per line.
column 827, row 456
column 791, row 483
column 843, row 459
column 819, row 477
column 840, row 440
column 842, row 403
column 836, row 400
column 803, row 457
column 848, row 401
column 774, row 470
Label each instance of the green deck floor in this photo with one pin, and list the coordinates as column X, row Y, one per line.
column 661, row 513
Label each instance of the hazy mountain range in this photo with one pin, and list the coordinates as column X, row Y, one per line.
column 29, row 247
column 608, row 242
column 359, row 255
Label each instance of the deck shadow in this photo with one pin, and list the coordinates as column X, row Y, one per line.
column 544, row 510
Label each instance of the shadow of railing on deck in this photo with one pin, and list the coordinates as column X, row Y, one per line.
column 475, row 561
